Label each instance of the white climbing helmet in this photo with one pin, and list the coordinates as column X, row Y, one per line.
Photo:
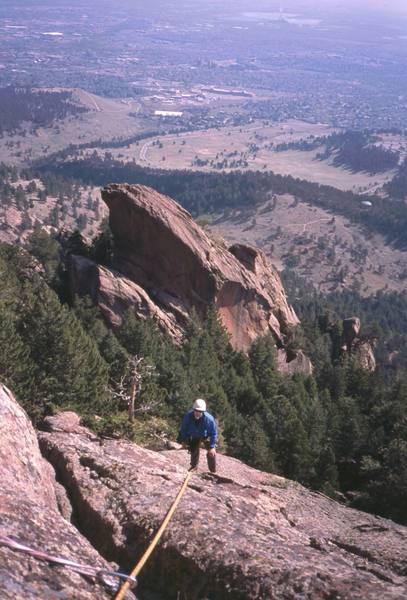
column 200, row 404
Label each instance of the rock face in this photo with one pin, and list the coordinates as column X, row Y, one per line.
column 256, row 262
column 238, row 535
column 115, row 294
column 29, row 514
column 169, row 265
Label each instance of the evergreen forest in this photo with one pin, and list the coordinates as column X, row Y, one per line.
column 354, row 150
column 22, row 105
column 397, row 187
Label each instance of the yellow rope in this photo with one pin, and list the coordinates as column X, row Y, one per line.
column 156, row 539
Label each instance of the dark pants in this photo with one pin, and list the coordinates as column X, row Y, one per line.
column 194, row 445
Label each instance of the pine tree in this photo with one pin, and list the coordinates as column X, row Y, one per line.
column 384, row 470
column 327, row 472
column 102, row 249
column 16, row 368
column 140, row 337
column 262, row 359
column 238, row 383
column 45, row 248
column 288, row 440
column 254, row 447
column 69, row 370
column 111, row 350
column 203, row 368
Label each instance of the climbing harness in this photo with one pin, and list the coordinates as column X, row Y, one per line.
column 88, row 570
column 156, row 538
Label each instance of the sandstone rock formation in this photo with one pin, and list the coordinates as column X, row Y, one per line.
column 169, row 265
column 29, row 514
column 239, row 535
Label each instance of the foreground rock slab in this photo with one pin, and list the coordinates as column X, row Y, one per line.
column 241, row 534
column 29, row 513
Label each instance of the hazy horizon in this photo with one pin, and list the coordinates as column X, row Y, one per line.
column 309, row 5
column 389, row 6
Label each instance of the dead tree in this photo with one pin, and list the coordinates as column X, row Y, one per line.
column 130, row 386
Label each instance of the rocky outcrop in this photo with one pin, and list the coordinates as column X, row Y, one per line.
column 29, row 514
column 239, row 535
column 350, row 331
column 296, row 362
column 363, row 353
column 162, row 251
column 359, row 348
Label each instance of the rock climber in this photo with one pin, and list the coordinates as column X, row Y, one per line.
column 199, row 428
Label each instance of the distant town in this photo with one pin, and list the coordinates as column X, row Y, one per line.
column 212, row 65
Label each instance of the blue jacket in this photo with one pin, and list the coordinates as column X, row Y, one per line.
column 205, row 427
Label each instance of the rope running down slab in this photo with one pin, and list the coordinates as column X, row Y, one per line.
column 155, row 540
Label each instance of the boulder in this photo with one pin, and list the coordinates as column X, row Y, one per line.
column 160, row 248
column 240, row 534
column 29, row 514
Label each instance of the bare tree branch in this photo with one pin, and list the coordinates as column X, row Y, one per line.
column 130, row 386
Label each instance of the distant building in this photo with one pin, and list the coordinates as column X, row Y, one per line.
column 167, row 113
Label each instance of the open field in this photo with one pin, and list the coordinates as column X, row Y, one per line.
column 249, row 147
column 327, row 250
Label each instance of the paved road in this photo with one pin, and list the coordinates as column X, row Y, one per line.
column 144, row 149
column 92, row 99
